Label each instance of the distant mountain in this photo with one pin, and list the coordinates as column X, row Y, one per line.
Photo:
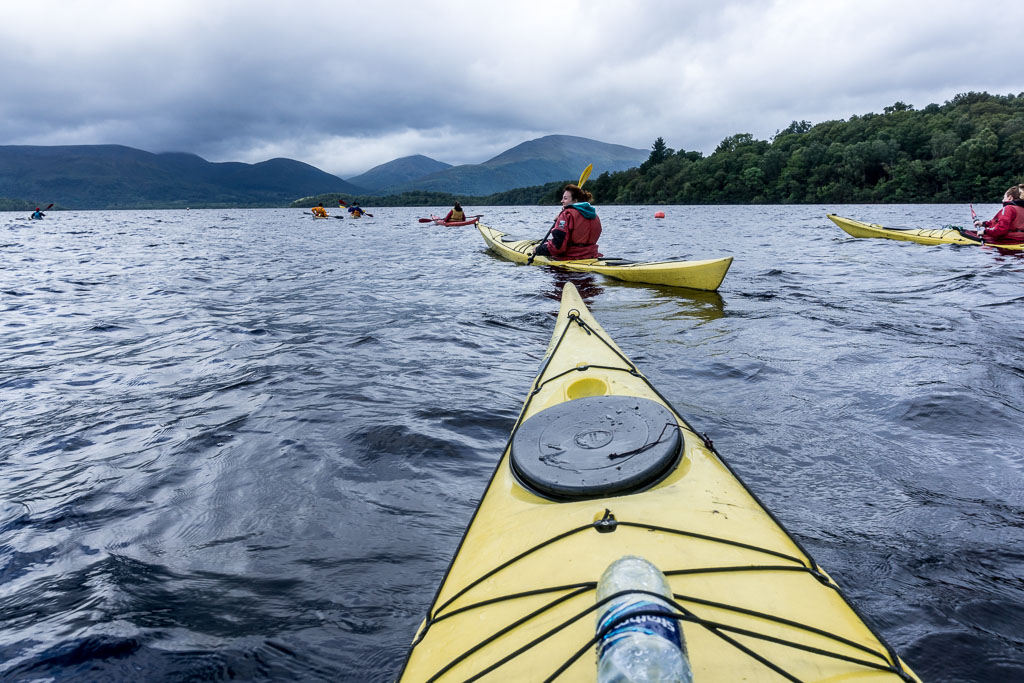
column 535, row 162
column 398, row 172
column 118, row 177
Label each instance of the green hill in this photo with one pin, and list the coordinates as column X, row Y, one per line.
column 969, row 149
column 118, row 177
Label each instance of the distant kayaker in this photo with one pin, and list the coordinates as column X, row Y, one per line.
column 1008, row 224
column 456, row 214
column 319, row 211
column 576, row 230
column 38, row 213
column 355, row 211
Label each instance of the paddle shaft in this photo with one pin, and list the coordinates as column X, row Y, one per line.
column 529, row 261
column 979, row 228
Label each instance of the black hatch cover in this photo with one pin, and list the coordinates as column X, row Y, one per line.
column 595, row 447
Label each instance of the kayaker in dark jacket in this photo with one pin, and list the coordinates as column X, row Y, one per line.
column 576, row 230
column 456, row 214
column 1008, row 224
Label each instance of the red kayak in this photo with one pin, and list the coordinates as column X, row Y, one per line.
column 470, row 220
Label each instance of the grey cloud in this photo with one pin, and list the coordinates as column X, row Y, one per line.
column 334, row 84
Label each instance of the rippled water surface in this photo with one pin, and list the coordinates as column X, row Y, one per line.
column 243, row 444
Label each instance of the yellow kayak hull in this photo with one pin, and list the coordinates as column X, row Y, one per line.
column 705, row 275
column 517, row 600
column 919, row 235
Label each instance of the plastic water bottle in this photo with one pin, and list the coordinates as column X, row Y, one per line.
column 640, row 648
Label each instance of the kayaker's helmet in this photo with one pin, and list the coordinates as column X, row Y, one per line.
column 37, row 208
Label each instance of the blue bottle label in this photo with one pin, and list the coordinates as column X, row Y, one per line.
column 662, row 626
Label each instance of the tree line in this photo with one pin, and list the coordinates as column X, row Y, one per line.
column 970, row 148
column 538, row 194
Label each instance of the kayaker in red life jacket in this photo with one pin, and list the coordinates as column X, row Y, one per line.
column 456, row 214
column 1008, row 224
column 576, row 230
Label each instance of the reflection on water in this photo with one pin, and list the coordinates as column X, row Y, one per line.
column 681, row 302
column 586, row 283
column 242, row 444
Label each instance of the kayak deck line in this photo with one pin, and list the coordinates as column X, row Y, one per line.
column 608, row 524
column 683, row 614
column 888, row 661
column 714, row 614
column 824, row 579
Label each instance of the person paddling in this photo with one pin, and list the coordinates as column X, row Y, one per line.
column 1008, row 223
column 357, row 211
column 456, row 214
column 38, row 213
column 319, row 211
column 576, row 230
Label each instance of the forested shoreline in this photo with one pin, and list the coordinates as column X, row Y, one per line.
column 969, row 149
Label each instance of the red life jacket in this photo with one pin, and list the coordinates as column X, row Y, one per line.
column 580, row 236
column 1007, row 226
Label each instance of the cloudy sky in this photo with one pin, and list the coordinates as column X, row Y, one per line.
column 348, row 85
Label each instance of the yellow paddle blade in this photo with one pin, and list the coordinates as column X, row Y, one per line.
column 585, row 175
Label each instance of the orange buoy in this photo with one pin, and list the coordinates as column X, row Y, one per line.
column 659, row 214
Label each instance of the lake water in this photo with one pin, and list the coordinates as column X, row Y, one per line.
column 244, row 444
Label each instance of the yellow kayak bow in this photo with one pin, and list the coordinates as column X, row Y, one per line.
column 517, row 602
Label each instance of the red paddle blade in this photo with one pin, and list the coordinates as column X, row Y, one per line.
column 426, row 220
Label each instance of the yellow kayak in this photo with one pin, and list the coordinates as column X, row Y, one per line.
column 600, row 466
column 919, row 235
column 706, row 275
